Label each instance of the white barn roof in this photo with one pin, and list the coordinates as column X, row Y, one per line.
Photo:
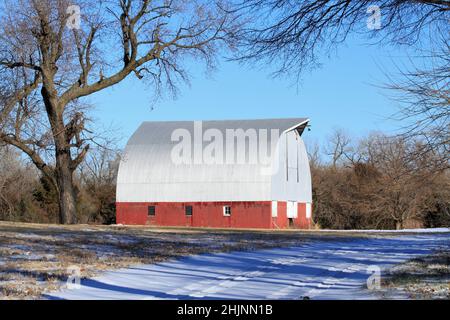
column 147, row 172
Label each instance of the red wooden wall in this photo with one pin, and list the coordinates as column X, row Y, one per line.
column 248, row 214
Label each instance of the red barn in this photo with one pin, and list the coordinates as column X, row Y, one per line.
column 233, row 173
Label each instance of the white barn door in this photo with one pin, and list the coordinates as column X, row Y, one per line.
column 292, row 209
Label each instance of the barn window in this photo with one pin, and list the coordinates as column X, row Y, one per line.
column 188, row 210
column 151, row 210
column 227, row 211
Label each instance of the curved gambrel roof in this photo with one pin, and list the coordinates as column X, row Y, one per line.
column 147, row 172
column 156, row 132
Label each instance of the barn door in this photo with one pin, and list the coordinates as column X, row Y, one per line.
column 292, row 209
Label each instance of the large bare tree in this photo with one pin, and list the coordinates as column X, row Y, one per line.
column 292, row 33
column 53, row 54
column 289, row 36
column 423, row 93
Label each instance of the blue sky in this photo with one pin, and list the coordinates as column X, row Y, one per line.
column 340, row 94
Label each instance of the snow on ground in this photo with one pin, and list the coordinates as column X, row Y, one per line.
column 336, row 269
column 36, row 258
column 424, row 277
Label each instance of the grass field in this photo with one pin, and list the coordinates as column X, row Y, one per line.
column 36, row 258
column 426, row 277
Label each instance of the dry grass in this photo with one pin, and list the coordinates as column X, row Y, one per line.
column 35, row 258
column 426, row 277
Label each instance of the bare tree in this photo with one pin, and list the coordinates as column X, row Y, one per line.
column 382, row 185
column 313, row 151
column 424, row 96
column 293, row 32
column 290, row 35
column 406, row 182
column 98, row 175
column 338, row 147
column 49, row 63
column 17, row 181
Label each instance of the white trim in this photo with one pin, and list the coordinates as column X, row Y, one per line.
column 274, row 209
column 292, row 209
column 308, row 210
column 225, row 213
column 296, row 126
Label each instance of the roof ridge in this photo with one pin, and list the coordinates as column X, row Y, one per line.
column 227, row 120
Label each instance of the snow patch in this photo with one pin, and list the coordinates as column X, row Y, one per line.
column 335, row 269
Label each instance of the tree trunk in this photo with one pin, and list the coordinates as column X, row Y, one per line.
column 399, row 225
column 63, row 165
column 66, row 190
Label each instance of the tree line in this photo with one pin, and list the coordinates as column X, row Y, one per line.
column 26, row 196
column 379, row 182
